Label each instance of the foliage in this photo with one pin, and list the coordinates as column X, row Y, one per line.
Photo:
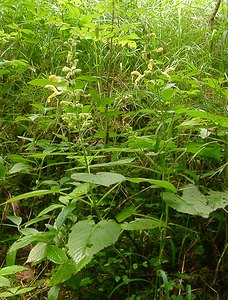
column 114, row 149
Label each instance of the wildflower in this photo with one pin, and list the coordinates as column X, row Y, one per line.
column 150, row 64
column 55, row 91
column 139, row 76
column 159, row 50
column 167, row 71
column 66, row 69
column 54, row 78
column 144, row 55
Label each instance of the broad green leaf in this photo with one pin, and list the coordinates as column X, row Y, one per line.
column 114, row 163
column 160, row 183
column 28, row 231
column 142, row 224
column 45, row 237
column 141, row 143
column 102, row 178
column 53, row 293
column 222, row 121
column 20, row 168
column 87, row 238
column 125, row 213
column 43, row 82
column 205, row 150
column 11, row 270
column 38, row 253
column 80, row 190
column 63, row 273
column 30, row 195
column 56, row 255
column 193, row 202
column 4, row 282
column 167, row 94
column 15, row 219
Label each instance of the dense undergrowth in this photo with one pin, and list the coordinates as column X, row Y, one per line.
column 114, row 150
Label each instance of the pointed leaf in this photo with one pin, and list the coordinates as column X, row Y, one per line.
column 37, row 253
column 31, row 194
column 20, row 168
column 56, row 255
column 11, row 270
column 87, row 238
column 142, row 224
column 193, row 202
column 102, row 178
column 160, row 183
column 49, row 208
column 15, row 219
column 125, row 213
column 4, row 282
column 53, row 293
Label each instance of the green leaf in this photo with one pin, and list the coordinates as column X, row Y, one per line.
column 80, row 190
column 56, row 255
column 49, row 208
column 11, row 270
column 43, row 82
column 45, row 237
column 114, row 163
column 222, row 121
column 125, row 213
column 160, row 183
column 102, row 178
column 12, row 292
column 211, row 150
column 4, row 282
column 63, row 215
column 53, row 293
column 63, row 273
column 142, row 224
column 87, row 238
column 193, row 202
column 2, row 168
column 38, row 253
column 30, row 195
column 20, row 168
column 15, row 219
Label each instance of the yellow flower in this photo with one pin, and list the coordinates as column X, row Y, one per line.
column 54, row 78
column 159, row 50
column 55, row 91
column 139, row 76
column 167, row 71
column 150, row 64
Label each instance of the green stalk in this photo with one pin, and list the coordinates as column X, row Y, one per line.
column 108, row 75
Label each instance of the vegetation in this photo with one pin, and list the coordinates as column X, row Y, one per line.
column 114, row 149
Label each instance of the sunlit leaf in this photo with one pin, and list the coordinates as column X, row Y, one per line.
column 38, row 253
column 102, row 178
column 56, row 255
column 87, row 238
column 193, row 202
